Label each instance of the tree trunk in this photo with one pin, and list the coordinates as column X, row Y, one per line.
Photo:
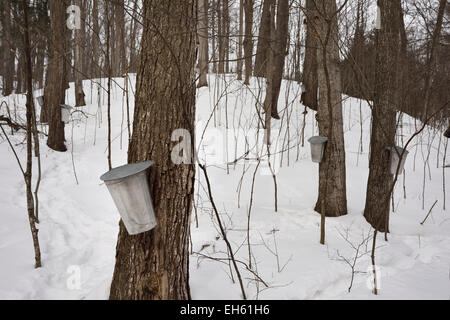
column 240, row 36
column 380, row 179
column 248, row 40
column 155, row 264
column 95, row 70
column 277, row 48
column 310, row 81
column 78, row 62
column 120, row 29
column 332, row 179
column 8, row 54
column 54, row 92
column 133, row 51
column 202, row 18
column 263, row 41
column 221, row 38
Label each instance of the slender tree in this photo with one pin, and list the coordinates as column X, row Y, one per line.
column 8, row 59
column 310, row 81
column 263, row 41
column 332, row 180
column 78, row 61
column 202, row 32
column 248, row 40
column 380, row 179
column 154, row 265
column 54, row 91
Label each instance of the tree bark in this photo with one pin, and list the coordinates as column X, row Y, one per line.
column 54, row 92
column 8, row 50
column 263, row 41
column 380, row 179
column 78, row 62
column 202, row 18
column 96, row 69
column 248, row 40
column 310, row 81
column 155, row 264
column 277, row 53
column 240, row 36
column 332, row 179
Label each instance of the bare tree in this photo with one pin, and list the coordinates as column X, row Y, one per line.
column 202, row 31
column 332, row 200
column 248, row 40
column 154, row 265
column 383, row 132
column 54, row 91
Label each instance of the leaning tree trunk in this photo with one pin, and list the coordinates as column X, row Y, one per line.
column 155, row 264
column 310, row 81
column 202, row 17
column 380, row 180
column 248, row 40
column 332, row 181
column 54, row 92
column 78, row 62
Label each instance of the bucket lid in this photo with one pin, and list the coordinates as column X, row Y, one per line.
column 317, row 140
column 65, row 106
column 397, row 149
column 126, row 171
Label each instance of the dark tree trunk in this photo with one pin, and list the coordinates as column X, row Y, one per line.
column 277, row 47
column 154, row 265
column 240, row 37
column 96, row 69
column 202, row 32
column 54, row 92
column 263, row 41
column 332, row 180
column 380, row 180
column 8, row 54
column 248, row 40
column 310, row 82
column 78, row 61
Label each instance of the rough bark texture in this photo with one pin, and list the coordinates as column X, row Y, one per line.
column 8, row 54
column 332, row 179
column 277, row 53
column 202, row 31
column 54, row 92
column 78, row 61
column 155, row 264
column 310, row 81
column 248, row 40
column 380, row 180
column 263, row 41
column 240, row 39
column 95, row 70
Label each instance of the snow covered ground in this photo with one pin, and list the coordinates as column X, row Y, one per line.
column 79, row 222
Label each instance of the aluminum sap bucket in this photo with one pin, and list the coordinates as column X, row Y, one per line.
column 40, row 100
column 394, row 158
column 128, row 186
column 318, row 144
column 65, row 113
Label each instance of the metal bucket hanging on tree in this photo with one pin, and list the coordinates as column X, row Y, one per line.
column 318, row 144
column 128, row 186
column 394, row 159
column 65, row 113
column 40, row 100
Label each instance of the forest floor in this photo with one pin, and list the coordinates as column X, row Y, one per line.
column 79, row 222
